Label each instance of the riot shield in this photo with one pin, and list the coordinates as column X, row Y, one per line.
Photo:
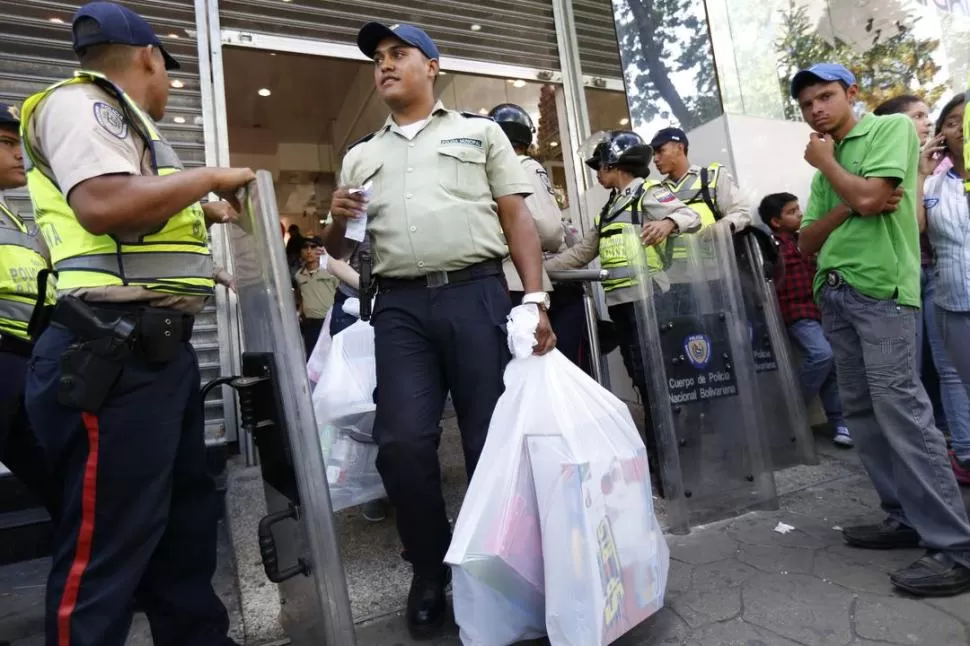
column 297, row 540
column 789, row 436
column 693, row 337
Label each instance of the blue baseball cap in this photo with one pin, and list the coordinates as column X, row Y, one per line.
column 373, row 33
column 9, row 115
column 667, row 135
column 117, row 25
column 826, row 72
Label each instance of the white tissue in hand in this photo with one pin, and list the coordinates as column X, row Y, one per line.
column 352, row 307
column 523, row 321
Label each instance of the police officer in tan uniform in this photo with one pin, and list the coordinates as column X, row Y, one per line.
column 442, row 188
column 567, row 311
column 113, row 386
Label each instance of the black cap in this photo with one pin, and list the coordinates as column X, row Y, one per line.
column 371, row 35
column 667, row 135
column 116, row 25
column 515, row 121
column 312, row 240
column 9, row 115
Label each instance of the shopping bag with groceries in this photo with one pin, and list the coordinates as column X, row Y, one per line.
column 557, row 531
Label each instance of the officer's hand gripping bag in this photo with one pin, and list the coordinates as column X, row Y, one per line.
column 343, row 401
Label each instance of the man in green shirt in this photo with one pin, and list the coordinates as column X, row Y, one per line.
column 861, row 221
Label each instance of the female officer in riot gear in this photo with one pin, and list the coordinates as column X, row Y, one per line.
column 567, row 310
column 639, row 213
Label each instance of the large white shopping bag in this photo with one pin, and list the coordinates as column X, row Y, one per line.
column 343, row 401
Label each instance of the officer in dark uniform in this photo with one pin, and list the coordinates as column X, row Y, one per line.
column 113, row 385
column 440, row 188
column 567, row 311
column 22, row 255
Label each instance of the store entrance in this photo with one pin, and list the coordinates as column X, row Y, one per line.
column 295, row 115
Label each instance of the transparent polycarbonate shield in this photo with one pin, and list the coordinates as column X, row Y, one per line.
column 694, row 342
column 779, row 394
column 315, row 605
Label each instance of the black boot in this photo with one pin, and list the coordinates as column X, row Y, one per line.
column 427, row 607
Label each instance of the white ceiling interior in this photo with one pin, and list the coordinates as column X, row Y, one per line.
column 316, row 106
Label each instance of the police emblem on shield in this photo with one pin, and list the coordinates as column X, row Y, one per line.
column 698, row 349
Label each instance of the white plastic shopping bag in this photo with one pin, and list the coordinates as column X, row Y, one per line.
column 315, row 363
column 343, row 401
column 602, row 557
column 496, row 550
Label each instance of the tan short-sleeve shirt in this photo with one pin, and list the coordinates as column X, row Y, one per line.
column 80, row 132
column 433, row 198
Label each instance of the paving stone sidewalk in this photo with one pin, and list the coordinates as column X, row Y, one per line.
column 733, row 583
column 741, row 583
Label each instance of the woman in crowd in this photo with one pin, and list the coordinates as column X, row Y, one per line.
column 943, row 384
column 946, row 214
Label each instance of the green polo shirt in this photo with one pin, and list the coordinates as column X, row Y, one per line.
column 878, row 255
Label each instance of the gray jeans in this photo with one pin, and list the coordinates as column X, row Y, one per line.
column 891, row 418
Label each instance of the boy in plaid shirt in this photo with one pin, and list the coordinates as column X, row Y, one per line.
column 781, row 212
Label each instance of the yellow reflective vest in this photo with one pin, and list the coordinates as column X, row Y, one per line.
column 620, row 248
column 692, row 194
column 175, row 259
column 21, row 259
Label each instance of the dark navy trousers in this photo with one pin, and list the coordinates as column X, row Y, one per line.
column 139, row 510
column 429, row 341
column 19, row 449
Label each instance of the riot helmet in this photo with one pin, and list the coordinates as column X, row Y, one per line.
column 622, row 149
column 516, row 123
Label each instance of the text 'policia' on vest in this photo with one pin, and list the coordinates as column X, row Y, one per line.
column 172, row 260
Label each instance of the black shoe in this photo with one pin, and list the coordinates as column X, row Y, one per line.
column 888, row 535
column 427, row 607
column 935, row 574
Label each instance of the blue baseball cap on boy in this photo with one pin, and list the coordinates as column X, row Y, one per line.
column 826, row 72
column 116, row 25
column 373, row 33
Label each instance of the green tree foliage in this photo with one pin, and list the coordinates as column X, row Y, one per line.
column 661, row 38
column 896, row 61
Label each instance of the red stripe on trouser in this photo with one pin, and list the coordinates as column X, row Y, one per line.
column 82, row 550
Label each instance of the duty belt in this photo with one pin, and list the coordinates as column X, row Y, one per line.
column 834, row 279
column 13, row 345
column 437, row 279
column 132, row 311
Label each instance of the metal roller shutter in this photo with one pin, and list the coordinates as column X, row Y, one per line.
column 513, row 32
column 36, row 52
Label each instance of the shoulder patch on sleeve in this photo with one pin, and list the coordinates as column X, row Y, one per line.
column 111, row 119
column 544, row 178
column 360, row 141
column 475, row 115
column 930, row 202
column 663, row 194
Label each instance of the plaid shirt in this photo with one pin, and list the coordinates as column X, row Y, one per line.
column 795, row 291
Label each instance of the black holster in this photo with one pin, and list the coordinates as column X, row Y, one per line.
column 367, row 286
column 90, row 367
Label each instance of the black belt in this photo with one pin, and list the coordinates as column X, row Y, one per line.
column 132, row 310
column 16, row 346
column 442, row 278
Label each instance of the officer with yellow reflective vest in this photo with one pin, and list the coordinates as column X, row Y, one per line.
column 22, row 256
column 640, row 213
column 113, row 385
column 710, row 190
